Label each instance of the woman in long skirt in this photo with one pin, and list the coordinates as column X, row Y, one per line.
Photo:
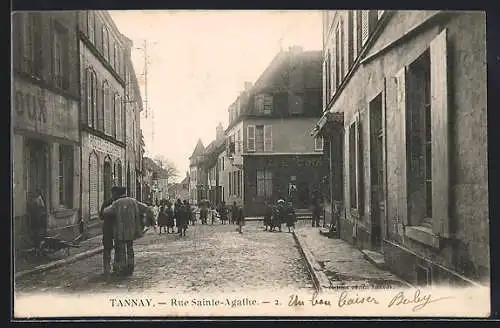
column 170, row 217
column 162, row 219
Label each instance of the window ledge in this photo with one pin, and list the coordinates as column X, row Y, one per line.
column 423, row 235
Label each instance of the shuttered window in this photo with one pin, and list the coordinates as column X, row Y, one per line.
column 325, row 99
column 318, row 143
column 251, row 138
column 93, row 184
column 268, row 104
column 268, row 137
column 352, row 166
column 91, row 26
column 364, row 25
column 107, row 108
column 264, row 183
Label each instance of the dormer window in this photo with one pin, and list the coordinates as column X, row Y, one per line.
column 264, row 104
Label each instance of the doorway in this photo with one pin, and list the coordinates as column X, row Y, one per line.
column 37, row 153
column 377, row 172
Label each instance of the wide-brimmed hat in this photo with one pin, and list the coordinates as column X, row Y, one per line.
column 280, row 201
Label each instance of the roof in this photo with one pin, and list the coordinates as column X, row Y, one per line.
column 198, row 149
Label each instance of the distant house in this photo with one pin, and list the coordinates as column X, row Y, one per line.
column 180, row 190
column 198, row 181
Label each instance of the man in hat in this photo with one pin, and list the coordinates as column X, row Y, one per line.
column 107, row 232
column 128, row 213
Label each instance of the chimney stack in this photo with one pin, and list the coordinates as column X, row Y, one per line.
column 219, row 132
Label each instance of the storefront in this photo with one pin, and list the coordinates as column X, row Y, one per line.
column 46, row 157
column 102, row 168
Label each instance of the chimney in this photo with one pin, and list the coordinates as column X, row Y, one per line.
column 219, row 132
column 248, row 85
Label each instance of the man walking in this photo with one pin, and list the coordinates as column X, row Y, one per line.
column 107, row 233
column 128, row 214
column 240, row 217
column 316, row 212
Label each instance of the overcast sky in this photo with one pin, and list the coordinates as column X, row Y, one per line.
column 198, row 63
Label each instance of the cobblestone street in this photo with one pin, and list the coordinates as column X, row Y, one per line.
column 209, row 259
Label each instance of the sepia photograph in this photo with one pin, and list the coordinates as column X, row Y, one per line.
column 244, row 163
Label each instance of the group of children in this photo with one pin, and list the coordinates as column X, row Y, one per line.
column 166, row 216
column 278, row 214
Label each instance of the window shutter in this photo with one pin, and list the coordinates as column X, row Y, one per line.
column 251, row 138
column 355, row 18
column 401, row 143
column 268, row 137
column 345, row 49
column 440, row 135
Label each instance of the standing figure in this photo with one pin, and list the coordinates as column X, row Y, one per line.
column 37, row 212
column 203, row 213
column 162, row 218
column 222, row 210
column 185, row 212
column 268, row 214
column 128, row 213
column 234, row 212
column 288, row 215
column 279, row 214
column 107, row 233
column 316, row 212
column 170, row 217
column 240, row 217
column 178, row 214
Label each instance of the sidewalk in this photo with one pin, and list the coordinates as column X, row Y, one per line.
column 338, row 264
column 28, row 263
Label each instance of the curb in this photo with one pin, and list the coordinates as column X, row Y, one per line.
column 320, row 280
column 58, row 263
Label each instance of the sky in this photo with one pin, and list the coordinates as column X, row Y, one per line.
column 198, row 62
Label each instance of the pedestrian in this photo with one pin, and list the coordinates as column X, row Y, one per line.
column 203, row 213
column 162, row 219
column 170, row 217
column 178, row 214
column 37, row 212
column 268, row 214
column 107, row 233
column 128, row 213
column 234, row 212
column 185, row 213
column 222, row 210
column 289, row 216
column 212, row 213
column 240, row 217
column 316, row 212
column 279, row 214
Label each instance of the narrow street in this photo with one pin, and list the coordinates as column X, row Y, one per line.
column 209, row 259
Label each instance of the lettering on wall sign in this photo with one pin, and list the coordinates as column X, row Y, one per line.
column 31, row 105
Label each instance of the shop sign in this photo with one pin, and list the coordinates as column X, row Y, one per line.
column 104, row 146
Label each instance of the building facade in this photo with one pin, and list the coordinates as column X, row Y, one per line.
column 269, row 139
column 45, row 143
column 212, row 166
column 198, row 181
column 102, row 110
column 409, row 148
column 180, row 190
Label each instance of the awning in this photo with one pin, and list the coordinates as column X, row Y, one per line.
column 328, row 123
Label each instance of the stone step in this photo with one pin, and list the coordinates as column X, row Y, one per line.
column 375, row 258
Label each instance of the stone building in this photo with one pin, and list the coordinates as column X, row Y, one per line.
column 103, row 52
column 198, row 181
column 45, row 140
column 405, row 115
column 213, row 166
column 269, row 142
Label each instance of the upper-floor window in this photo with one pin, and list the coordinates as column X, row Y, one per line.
column 318, row 144
column 115, row 56
column 91, row 26
column 296, row 103
column 238, row 142
column 115, row 109
column 264, row 104
column 31, row 40
column 105, row 42
column 259, row 138
column 61, row 57
column 91, row 105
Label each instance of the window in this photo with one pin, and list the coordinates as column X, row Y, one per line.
column 318, row 143
column 118, row 172
column 115, row 56
column 352, row 166
column 93, row 184
column 268, row 104
column 268, row 138
column 251, row 138
column 259, row 104
column 66, row 176
column 350, row 38
column 264, row 183
column 116, row 101
column 419, row 141
column 105, row 42
column 106, row 107
column 338, row 52
column 238, row 178
column 421, row 96
column 297, row 104
column 230, row 183
column 91, row 26
column 238, row 142
column 356, row 33
column 60, row 66
column 31, row 60
column 92, row 98
column 118, row 117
